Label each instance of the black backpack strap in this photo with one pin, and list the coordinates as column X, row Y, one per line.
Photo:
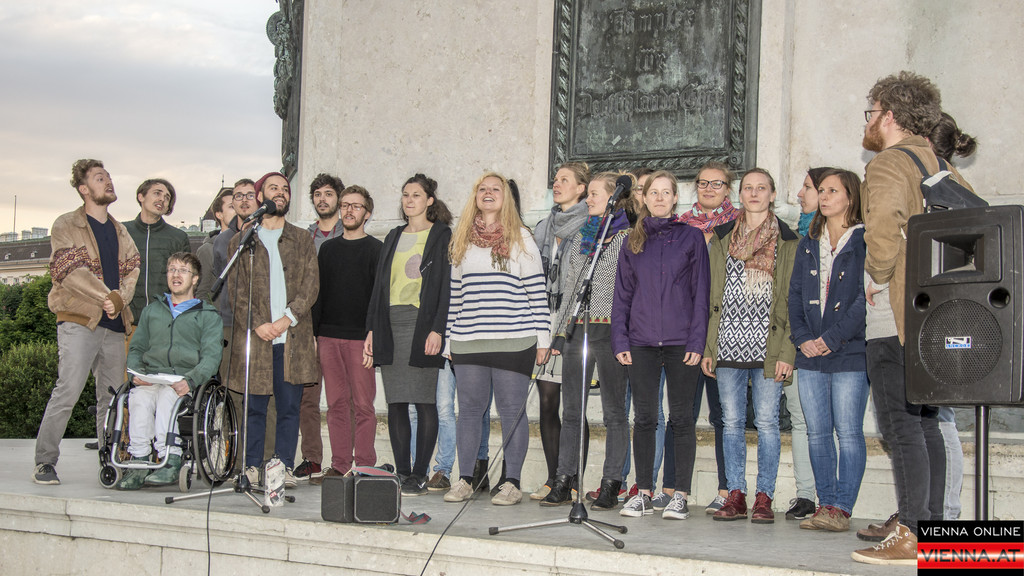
column 920, row 165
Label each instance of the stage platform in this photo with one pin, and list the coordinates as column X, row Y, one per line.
column 81, row 528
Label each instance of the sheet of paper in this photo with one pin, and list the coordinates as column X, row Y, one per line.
column 163, row 379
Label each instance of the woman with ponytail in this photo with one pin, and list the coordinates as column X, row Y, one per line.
column 406, row 321
column 576, row 261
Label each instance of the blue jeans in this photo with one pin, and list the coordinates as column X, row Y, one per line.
column 287, row 398
column 659, row 433
column 732, row 390
column 835, row 402
column 445, row 456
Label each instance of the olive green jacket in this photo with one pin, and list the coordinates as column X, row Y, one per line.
column 779, row 346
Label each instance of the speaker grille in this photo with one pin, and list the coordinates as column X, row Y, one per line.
column 960, row 342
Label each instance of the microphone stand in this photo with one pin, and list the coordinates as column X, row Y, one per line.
column 581, row 312
column 241, row 481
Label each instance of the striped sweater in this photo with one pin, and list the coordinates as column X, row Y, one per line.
column 490, row 304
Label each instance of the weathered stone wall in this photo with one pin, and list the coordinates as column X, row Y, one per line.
column 454, row 88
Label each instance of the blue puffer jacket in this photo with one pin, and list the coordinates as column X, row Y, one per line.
column 661, row 294
column 842, row 324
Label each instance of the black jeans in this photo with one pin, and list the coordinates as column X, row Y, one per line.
column 613, row 401
column 907, row 428
column 705, row 382
column 681, row 387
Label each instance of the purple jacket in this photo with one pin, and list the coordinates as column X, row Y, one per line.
column 661, row 294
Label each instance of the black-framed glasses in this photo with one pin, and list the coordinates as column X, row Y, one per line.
column 868, row 113
column 353, row 207
column 714, row 184
column 244, row 196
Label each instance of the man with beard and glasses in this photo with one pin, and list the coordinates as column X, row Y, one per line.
column 324, row 192
column 94, row 266
column 903, row 110
column 282, row 358
column 348, row 266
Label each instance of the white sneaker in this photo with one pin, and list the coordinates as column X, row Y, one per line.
column 637, row 506
column 253, row 474
column 676, row 509
column 290, row 481
column 507, row 495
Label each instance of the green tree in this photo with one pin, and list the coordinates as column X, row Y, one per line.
column 28, row 373
column 32, row 320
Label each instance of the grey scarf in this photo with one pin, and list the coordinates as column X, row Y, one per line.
column 562, row 225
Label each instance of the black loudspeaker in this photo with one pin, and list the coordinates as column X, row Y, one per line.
column 964, row 305
column 363, row 499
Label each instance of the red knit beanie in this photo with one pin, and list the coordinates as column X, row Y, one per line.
column 259, row 183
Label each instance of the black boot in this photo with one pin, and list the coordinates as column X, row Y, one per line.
column 501, row 480
column 561, row 491
column 608, row 497
column 480, row 480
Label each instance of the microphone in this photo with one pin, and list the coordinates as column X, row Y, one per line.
column 268, row 207
column 625, row 182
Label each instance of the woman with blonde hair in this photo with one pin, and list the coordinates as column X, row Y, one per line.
column 579, row 254
column 498, row 328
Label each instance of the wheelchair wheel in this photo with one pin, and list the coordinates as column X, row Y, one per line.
column 109, row 476
column 185, row 478
column 215, row 432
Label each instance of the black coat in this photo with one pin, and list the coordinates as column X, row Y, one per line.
column 435, row 295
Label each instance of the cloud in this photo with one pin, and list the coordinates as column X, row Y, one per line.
column 183, row 92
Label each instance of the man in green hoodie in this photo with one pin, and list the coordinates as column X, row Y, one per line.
column 155, row 239
column 177, row 334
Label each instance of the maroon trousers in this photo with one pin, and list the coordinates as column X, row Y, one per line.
column 350, row 390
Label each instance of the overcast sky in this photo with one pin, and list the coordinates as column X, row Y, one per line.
column 180, row 90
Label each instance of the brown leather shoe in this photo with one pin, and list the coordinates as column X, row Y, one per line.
column 762, row 513
column 317, row 480
column 900, row 547
column 735, row 507
column 878, row 532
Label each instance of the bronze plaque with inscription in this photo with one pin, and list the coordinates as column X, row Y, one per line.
column 666, row 84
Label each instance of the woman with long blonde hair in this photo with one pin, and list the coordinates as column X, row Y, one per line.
column 498, row 328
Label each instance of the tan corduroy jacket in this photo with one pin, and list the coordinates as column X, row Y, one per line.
column 891, row 194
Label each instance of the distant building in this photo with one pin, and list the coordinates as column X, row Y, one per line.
column 21, row 260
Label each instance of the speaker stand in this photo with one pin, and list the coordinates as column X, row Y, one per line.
column 981, row 417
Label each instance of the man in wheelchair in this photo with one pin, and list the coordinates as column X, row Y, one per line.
column 178, row 335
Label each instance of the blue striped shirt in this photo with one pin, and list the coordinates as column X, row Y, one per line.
column 491, row 304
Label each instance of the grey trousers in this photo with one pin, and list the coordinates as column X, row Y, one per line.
column 100, row 351
column 473, row 386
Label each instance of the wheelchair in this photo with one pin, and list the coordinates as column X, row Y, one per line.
column 207, row 435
